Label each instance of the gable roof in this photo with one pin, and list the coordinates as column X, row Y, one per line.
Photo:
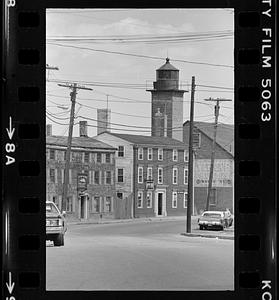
column 79, row 142
column 225, row 134
column 149, row 140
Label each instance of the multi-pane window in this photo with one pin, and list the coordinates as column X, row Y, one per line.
column 160, row 154
column 97, row 177
column 140, row 174
column 174, row 200
column 86, row 157
column 62, row 175
column 174, row 155
column 108, row 158
column 149, row 199
column 185, row 200
column 99, row 157
column 140, row 199
column 149, row 173
column 108, row 204
column 69, row 204
column 185, row 176
column 52, row 175
column 149, row 153
column 160, row 175
column 119, row 195
column 186, row 156
column 108, row 177
column 96, row 204
column 120, row 175
column 174, row 175
column 52, row 154
column 140, row 154
column 120, row 151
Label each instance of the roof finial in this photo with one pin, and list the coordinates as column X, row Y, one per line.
column 167, row 60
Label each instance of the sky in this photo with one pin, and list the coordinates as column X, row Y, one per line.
column 116, row 53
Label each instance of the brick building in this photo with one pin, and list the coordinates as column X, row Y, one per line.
column 151, row 174
column 90, row 159
column 223, row 173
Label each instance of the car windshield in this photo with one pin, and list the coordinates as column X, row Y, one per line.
column 212, row 215
column 50, row 208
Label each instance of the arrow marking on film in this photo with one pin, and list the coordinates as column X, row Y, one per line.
column 10, row 130
column 11, row 285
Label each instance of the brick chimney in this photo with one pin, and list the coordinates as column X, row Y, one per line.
column 103, row 120
column 83, row 129
column 48, row 130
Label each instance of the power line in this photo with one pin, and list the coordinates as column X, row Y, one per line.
column 139, row 55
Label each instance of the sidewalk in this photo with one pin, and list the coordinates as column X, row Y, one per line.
column 227, row 233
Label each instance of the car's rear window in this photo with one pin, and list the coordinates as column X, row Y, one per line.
column 212, row 215
column 50, row 208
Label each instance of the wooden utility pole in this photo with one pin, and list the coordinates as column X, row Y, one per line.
column 190, row 163
column 216, row 113
column 74, row 87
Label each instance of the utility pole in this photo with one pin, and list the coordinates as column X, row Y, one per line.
column 216, row 113
column 190, row 164
column 48, row 67
column 73, row 87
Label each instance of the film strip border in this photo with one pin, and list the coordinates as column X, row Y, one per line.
column 23, row 127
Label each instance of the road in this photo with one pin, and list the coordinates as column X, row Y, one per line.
column 139, row 256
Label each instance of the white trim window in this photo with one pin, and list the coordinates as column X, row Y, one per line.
column 149, row 199
column 185, row 200
column 149, row 173
column 160, row 175
column 174, row 175
column 52, row 175
column 185, row 175
column 120, row 175
column 52, row 154
column 140, row 199
column 140, row 154
column 121, row 151
column 149, row 153
column 160, row 154
column 174, row 200
column 140, row 174
column 186, row 156
column 174, row 155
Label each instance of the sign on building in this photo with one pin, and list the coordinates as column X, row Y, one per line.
column 82, row 180
column 149, row 184
column 222, row 173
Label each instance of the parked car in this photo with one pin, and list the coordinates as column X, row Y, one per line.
column 55, row 224
column 215, row 219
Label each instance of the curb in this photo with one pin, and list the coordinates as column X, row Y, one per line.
column 208, row 236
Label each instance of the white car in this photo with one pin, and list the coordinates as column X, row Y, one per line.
column 55, row 224
column 215, row 219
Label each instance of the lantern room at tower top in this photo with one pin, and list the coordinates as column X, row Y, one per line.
column 167, row 103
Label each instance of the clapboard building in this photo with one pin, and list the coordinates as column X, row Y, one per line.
column 91, row 160
column 223, row 173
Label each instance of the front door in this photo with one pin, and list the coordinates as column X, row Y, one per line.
column 160, row 204
column 83, row 207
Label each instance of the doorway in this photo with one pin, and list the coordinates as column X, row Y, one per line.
column 83, row 207
column 160, row 204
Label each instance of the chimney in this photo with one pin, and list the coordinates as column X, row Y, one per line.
column 49, row 130
column 103, row 120
column 83, row 129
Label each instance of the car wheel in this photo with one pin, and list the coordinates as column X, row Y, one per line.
column 201, row 227
column 221, row 227
column 59, row 240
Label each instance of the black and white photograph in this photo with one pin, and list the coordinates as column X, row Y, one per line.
column 140, row 149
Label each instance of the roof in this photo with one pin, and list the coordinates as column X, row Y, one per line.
column 167, row 66
column 225, row 134
column 149, row 140
column 80, row 142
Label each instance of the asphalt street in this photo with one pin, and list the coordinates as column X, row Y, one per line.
column 139, row 256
